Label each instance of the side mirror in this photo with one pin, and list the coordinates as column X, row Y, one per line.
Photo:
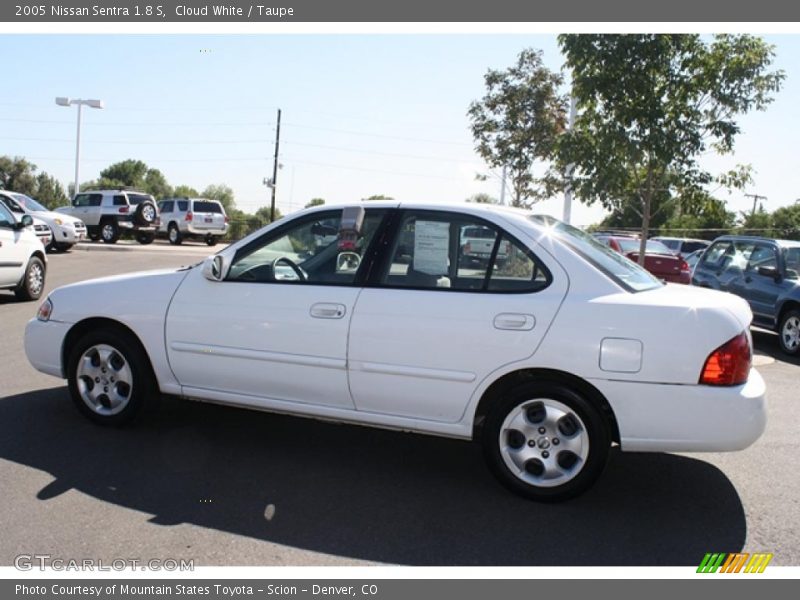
column 25, row 221
column 769, row 272
column 215, row 268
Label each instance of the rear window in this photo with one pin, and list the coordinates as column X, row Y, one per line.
column 625, row 272
column 204, row 206
column 632, row 245
column 139, row 198
column 479, row 232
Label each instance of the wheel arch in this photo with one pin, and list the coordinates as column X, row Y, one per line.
column 515, row 378
column 79, row 329
column 788, row 304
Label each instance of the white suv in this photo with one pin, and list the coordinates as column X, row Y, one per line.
column 65, row 231
column 107, row 213
column 22, row 258
column 192, row 217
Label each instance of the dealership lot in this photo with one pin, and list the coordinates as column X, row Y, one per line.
column 231, row 487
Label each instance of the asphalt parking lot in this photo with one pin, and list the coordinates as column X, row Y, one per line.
column 225, row 486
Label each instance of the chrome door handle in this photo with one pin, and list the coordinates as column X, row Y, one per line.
column 514, row 321
column 328, row 310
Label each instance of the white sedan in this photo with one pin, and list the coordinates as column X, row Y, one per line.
column 547, row 357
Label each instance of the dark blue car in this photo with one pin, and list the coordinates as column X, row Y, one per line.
column 764, row 272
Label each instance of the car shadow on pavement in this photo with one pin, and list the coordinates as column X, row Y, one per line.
column 365, row 493
column 767, row 342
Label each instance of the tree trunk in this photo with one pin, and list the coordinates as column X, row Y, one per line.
column 646, row 206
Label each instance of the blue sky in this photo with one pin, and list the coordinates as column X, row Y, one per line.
column 362, row 114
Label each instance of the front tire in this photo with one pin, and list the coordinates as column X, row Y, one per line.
column 110, row 378
column 211, row 240
column 789, row 332
column 32, row 284
column 174, row 235
column 546, row 442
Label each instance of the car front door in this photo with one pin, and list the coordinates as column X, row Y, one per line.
column 763, row 290
column 275, row 330
column 12, row 253
column 432, row 325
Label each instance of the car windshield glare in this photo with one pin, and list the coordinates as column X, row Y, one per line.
column 625, row 272
column 28, row 202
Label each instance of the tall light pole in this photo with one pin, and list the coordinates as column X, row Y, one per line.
column 567, row 216
column 62, row 101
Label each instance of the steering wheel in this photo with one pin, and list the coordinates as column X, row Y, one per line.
column 282, row 259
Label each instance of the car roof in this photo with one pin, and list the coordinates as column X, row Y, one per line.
column 757, row 238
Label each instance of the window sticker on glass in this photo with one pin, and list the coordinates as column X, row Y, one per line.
column 431, row 241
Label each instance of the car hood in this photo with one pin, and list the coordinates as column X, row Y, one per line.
column 124, row 298
column 50, row 216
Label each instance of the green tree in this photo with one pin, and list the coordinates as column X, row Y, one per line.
column 377, row 197
column 49, row 191
column 315, row 202
column 220, row 192
column 17, row 175
column 756, row 223
column 263, row 214
column 482, row 199
column 129, row 173
column 156, row 184
column 185, row 191
column 518, row 122
column 786, row 222
column 651, row 105
column 706, row 218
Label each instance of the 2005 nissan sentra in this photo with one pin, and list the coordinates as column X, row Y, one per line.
column 372, row 314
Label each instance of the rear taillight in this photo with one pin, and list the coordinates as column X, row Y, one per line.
column 189, row 216
column 684, row 265
column 729, row 364
column 227, row 219
column 124, row 209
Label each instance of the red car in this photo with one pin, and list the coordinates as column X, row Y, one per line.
column 658, row 259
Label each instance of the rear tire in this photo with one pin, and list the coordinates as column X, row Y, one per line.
column 789, row 332
column 145, row 237
column 32, row 284
column 545, row 441
column 110, row 378
column 174, row 235
column 93, row 233
column 109, row 232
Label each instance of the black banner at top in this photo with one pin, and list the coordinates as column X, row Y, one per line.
column 304, row 11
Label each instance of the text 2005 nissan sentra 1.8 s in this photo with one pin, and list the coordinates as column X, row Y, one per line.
column 376, row 314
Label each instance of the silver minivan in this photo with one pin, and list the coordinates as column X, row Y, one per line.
column 192, row 218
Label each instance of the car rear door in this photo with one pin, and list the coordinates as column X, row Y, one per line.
column 431, row 325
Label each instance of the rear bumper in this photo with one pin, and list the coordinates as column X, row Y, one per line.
column 192, row 230
column 687, row 418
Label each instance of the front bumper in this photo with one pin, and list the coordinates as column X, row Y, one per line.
column 43, row 343
column 68, row 235
column 687, row 418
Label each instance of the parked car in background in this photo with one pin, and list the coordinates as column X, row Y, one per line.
column 22, row 256
column 693, row 258
column 192, row 218
column 546, row 360
column 658, row 259
column 477, row 245
column 763, row 271
column 108, row 213
column 682, row 246
column 64, row 231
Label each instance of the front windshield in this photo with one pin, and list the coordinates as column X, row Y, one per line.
column 28, row 202
column 625, row 272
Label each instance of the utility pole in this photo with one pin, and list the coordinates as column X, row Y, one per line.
column 755, row 198
column 275, row 168
column 503, row 188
